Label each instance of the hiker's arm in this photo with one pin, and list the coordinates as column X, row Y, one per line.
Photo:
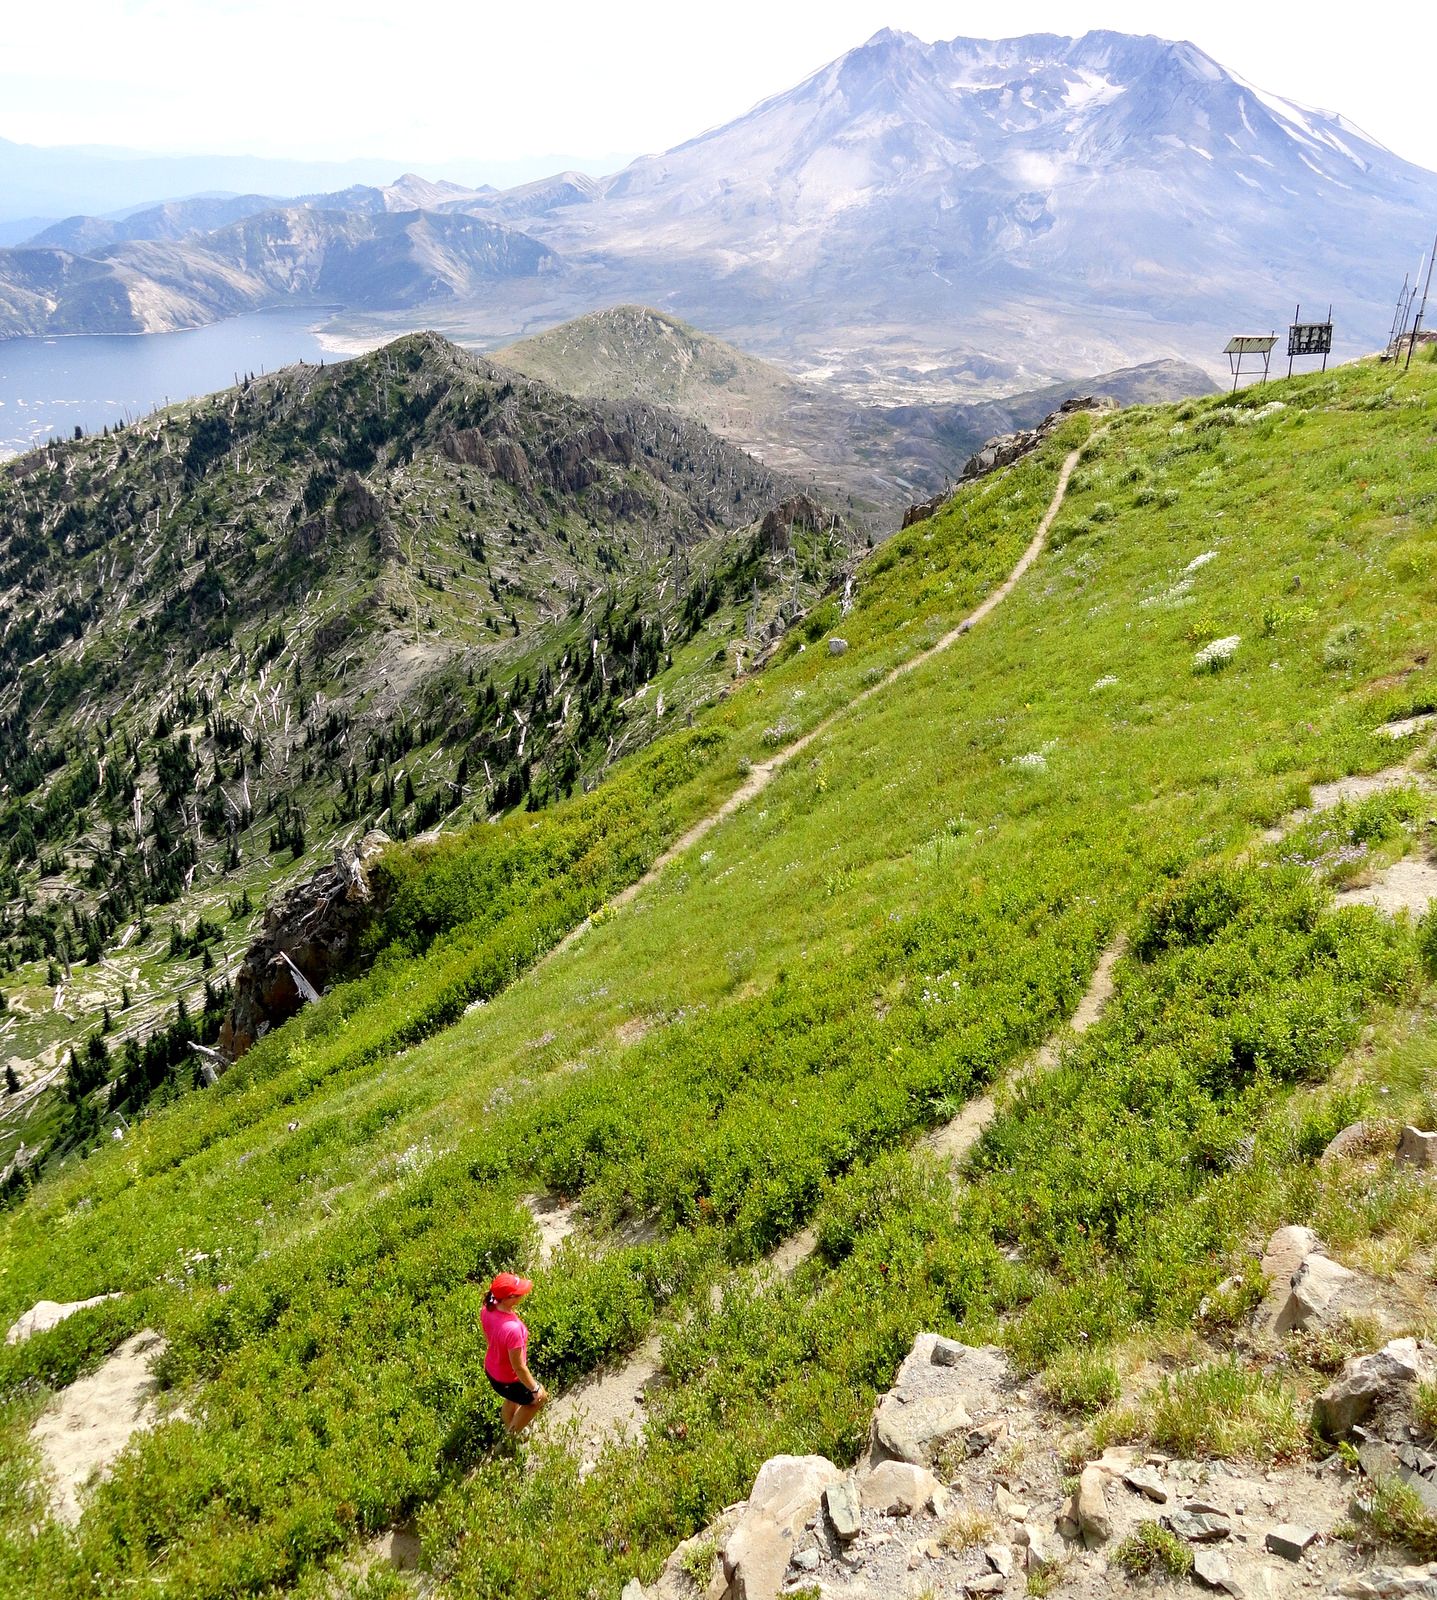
column 520, row 1364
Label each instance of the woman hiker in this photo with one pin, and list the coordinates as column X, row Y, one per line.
column 506, row 1356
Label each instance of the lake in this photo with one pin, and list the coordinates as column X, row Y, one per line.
column 48, row 387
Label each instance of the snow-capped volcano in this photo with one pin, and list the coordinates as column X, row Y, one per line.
column 1105, row 192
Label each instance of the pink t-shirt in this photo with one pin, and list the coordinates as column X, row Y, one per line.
column 503, row 1332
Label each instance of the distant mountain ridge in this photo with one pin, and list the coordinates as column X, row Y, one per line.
column 392, row 259
column 878, row 455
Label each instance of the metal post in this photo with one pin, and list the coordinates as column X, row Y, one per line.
column 1296, row 318
column 1392, row 335
column 1328, row 351
column 1421, row 310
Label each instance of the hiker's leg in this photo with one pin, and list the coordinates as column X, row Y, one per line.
column 507, row 1410
column 524, row 1415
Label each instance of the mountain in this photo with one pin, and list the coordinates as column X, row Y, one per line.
column 57, row 180
column 1001, row 961
column 880, row 457
column 176, row 219
column 377, row 258
column 943, row 221
column 1039, row 199
column 971, row 217
column 393, row 591
column 82, row 235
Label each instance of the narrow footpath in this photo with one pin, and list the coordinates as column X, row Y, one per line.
column 763, row 772
column 610, row 1403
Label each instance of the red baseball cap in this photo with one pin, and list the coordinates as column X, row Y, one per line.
column 509, row 1283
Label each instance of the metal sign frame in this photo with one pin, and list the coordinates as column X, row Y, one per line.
column 1308, row 339
column 1242, row 345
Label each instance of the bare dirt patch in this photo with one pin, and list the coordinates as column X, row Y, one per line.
column 1408, row 885
column 555, row 1219
column 92, row 1421
column 609, row 1405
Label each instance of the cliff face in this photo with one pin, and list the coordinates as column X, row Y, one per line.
column 308, row 939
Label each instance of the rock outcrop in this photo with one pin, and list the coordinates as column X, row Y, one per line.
column 798, row 511
column 308, row 939
column 983, row 1503
column 1373, row 1384
column 1308, row 1290
column 1007, row 448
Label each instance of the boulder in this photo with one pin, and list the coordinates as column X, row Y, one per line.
column 915, row 1430
column 845, row 1511
column 1199, row 1527
column 1009, row 1506
column 899, row 1489
column 1000, row 1558
column 789, row 1488
column 1090, row 1506
column 1211, row 1569
column 942, row 1390
column 1319, row 1287
column 1394, row 1583
column 1289, row 1540
column 1043, row 1548
column 633, row 1590
column 1417, row 1148
column 47, row 1314
column 1286, row 1251
column 1367, row 1382
column 838, row 647
column 755, row 1558
column 1358, row 1139
column 1146, row 1482
column 786, row 1493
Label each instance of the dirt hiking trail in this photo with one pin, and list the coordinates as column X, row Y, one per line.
column 761, row 774
column 610, row 1403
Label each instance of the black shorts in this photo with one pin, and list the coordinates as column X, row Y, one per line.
column 519, row 1393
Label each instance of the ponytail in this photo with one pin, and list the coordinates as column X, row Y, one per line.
column 490, row 1303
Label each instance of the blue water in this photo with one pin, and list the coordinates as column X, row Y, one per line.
column 48, row 387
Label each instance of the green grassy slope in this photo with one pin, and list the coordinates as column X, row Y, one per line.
column 908, row 908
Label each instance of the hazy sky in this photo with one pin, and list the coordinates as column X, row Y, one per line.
column 436, row 79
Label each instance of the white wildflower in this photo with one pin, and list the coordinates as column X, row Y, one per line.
column 1218, row 653
column 1107, row 681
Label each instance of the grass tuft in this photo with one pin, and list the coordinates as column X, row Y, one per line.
column 1150, row 1550
column 1222, row 1409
